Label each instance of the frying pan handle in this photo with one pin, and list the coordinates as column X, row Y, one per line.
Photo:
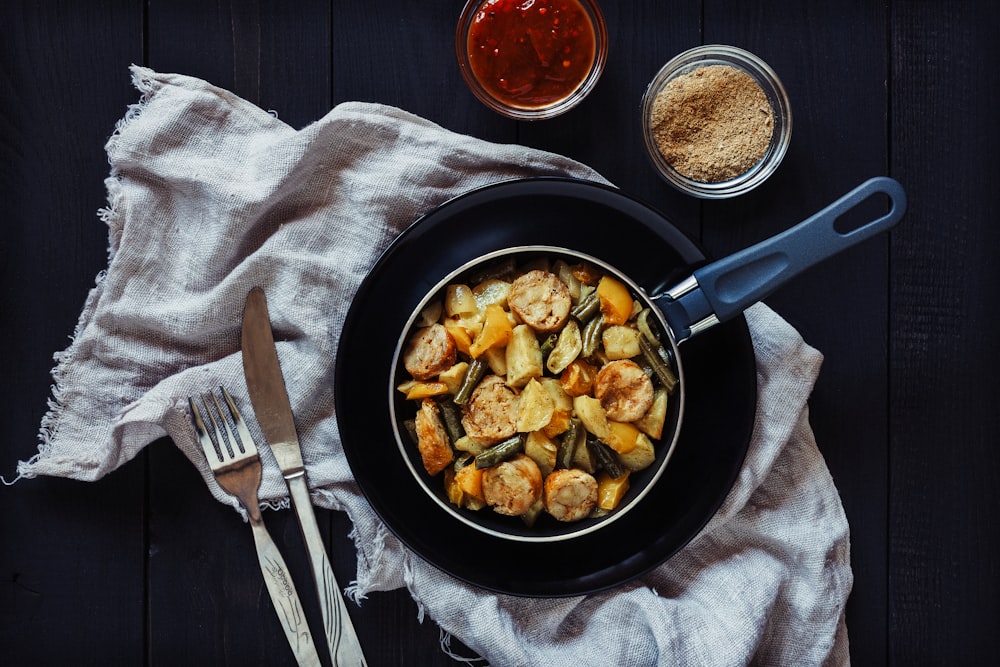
column 723, row 289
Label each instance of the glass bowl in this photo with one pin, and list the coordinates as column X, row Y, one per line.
column 531, row 61
column 681, row 111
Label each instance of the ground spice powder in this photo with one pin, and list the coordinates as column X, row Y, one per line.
column 713, row 123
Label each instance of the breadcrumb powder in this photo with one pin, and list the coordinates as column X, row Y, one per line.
column 713, row 123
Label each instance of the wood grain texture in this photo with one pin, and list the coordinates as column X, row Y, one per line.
column 65, row 546
column 143, row 567
column 266, row 51
column 832, row 61
column 403, row 55
column 945, row 467
column 605, row 131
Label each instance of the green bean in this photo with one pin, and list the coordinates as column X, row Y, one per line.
column 500, row 452
column 472, row 377
column 568, row 444
column 592, row 336
column 664, row 353
column 606, row 458
column 588, row 307
column 655, row 352
column 660, row 366
column 450, row 415
column 642, row 324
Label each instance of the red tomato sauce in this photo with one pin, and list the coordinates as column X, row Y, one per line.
column 531, row 53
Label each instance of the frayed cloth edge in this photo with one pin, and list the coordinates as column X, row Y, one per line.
column 49, row 427
column 144, row 81
column 444, row 641
column 367, row 565
column 369, row 562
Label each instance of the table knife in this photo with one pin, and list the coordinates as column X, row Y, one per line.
column 269, row 397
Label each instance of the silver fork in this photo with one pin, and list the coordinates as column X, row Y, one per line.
column 236, row 465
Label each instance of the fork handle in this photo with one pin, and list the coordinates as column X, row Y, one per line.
column 341, row 638
column 284, row 596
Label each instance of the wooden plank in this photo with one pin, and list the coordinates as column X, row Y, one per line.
column 279, row 60
column 64, row 546
column 605, row 131
column 263, row 54
column 841, row 307
column 207, row 599
column 72, row 559
column 267, row 53
column 413, row 66
column 945, row 606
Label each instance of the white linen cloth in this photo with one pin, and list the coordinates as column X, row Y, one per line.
column 210, row 195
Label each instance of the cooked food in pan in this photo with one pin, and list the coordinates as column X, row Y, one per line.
column 537, row 388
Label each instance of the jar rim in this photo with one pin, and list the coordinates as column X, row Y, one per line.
column 777, row 96
column 561, row 106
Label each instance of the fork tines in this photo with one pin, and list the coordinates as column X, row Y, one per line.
column 222, row 447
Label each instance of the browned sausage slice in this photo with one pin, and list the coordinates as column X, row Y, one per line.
column 570, row 494
column 624, row 390
column 541, row 300
column 513, row 486
column 430, row 351
column 432, row 438
column 491, row 413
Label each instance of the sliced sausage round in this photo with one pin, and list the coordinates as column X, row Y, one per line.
column 624, row 390
column 541, row 300
column 432, row 438
column 491, row 413
column 430, row 351
column 570, row 494
column 513, row 486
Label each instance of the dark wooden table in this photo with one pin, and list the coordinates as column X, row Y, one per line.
column 130, row 570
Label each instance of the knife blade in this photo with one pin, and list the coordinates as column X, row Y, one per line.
column 269, row 397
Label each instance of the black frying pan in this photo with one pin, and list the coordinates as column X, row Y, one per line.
column 711, row 294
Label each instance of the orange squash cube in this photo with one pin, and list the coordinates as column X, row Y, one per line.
column 578, row 378
column 610, row 490
column 426, row 389
column 461, row 336
column 496, row 331
column 470, row 480
column 622, row 436
column 616, row 301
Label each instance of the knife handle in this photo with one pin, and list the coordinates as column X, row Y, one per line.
column 284, row 596
column 345, row 649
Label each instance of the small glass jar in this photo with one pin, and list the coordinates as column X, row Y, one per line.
column 688, row 63
column 531, row 60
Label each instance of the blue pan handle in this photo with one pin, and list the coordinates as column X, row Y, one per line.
column 723, row 289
